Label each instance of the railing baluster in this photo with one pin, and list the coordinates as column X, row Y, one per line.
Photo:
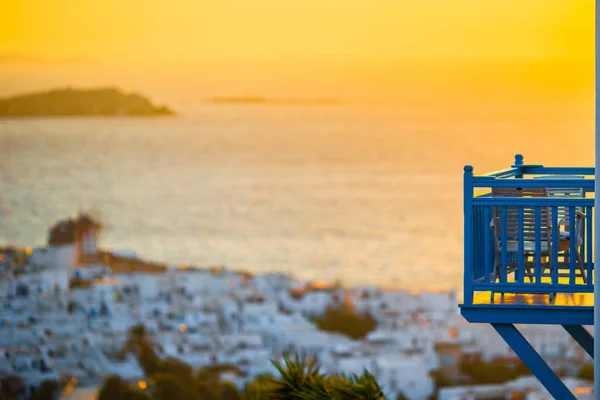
column 538, row 246
column 584, row 240
column 480, row 265
column 555, row 245
column 474, row 249
column 504, row 244
column 521, row 245
column 572, row 245
column 486, row 244
column 589, row 227
column 477, row 259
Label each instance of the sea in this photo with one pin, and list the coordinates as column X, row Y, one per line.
column 369, row 195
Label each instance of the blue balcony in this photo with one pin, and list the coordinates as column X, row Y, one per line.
column 528, row 241
column 528, row 245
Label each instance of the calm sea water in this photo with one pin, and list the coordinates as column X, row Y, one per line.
column 363, row 194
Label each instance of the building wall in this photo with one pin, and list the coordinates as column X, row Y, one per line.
column 63, row 257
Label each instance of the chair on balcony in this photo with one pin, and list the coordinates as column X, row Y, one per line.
column 563, row 217
column 512, row 233
column 529, row 232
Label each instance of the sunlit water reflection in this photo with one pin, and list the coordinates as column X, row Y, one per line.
column 365, row 195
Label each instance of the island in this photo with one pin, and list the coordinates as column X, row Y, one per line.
column 272, row 101
column 107, row 101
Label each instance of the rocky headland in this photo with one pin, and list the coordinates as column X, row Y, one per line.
column 80, row 102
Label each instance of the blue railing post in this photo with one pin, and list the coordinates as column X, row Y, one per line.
column 468, row 234
column 597, row 203
column 518, row 164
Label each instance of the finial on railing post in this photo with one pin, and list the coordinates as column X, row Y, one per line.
column 518, row 164
column 468, row 170
column 518, row 159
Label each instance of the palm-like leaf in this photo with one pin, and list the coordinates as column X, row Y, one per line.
column 301, row 380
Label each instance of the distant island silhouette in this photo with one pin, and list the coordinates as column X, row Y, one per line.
column 66, row 102
column 274, row 101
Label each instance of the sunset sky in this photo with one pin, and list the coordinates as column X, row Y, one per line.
column 296, row 48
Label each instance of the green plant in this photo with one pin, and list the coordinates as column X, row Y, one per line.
column 301, row 380
column 345, row 320
column 12, row 387
column 115, row 388
column 260, row 389
column 48, row 390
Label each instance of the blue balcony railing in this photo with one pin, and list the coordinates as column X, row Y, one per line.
column 528, row 230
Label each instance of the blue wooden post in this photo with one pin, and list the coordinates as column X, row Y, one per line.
column 518, row 163
column 597, row 220
column 468, row 234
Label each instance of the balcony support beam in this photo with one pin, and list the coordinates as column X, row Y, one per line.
column 533, row 361
column 581, row 336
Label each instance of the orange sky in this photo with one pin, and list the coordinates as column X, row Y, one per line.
column 296, row 48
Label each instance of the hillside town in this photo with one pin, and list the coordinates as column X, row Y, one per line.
column 67, row 309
